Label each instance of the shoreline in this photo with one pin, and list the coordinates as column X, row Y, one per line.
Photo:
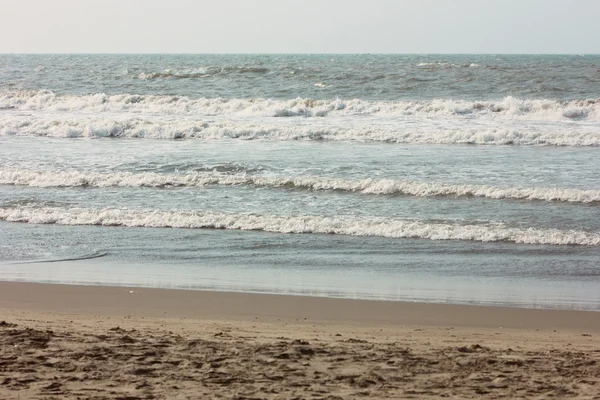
column 106, row 301
column 84, row 342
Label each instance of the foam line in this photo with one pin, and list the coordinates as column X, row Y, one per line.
column 377, row 227
column 306, row 182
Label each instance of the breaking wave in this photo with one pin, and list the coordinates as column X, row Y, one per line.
column 157, row 128
column 509, row 121
column 378, row 227
column 307, row 182
column 508, row 107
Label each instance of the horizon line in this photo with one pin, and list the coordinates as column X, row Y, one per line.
column 303, row 53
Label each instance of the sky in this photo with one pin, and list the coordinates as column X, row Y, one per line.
column 300, row 26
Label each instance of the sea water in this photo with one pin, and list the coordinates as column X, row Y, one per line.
column 461, row 179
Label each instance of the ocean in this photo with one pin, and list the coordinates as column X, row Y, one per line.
column 468, row 179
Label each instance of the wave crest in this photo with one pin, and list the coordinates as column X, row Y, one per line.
column 203, row 72
column 380, row 227
column 508, row 107
column 156, row 128
column 307, row 182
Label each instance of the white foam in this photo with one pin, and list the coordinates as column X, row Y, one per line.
column 379, row 227
column 171, row 73
column 509, row 107
column 11, row 176
column 428, row 131
column 447, row 65
column 506, row 122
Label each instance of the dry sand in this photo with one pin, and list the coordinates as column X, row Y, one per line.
column 77, row 342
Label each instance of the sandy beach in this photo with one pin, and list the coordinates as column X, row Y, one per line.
column 89, row 342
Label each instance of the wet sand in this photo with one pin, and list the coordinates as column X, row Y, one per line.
column 90, row 342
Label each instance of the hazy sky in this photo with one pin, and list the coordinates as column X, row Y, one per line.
column 300, row 26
